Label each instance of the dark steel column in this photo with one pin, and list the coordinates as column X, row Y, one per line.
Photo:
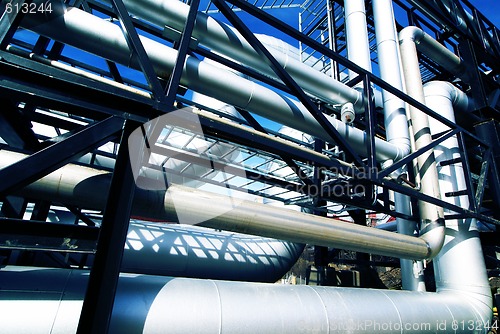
column 101, row 289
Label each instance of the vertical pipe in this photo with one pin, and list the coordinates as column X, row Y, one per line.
column 453, row 267
column 358, row 46
column 396, row 124
column 431, row 216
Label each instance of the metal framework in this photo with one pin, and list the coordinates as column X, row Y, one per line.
column 43, row 84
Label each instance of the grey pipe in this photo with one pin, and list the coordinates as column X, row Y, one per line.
column 88, row 188
column 52, row 300
column 447, row 99
column 462, row 23
column 228, row 41
column 396, row 125
column 88, row 32
column 358, row 45
column 193, row 251
column 426, row 173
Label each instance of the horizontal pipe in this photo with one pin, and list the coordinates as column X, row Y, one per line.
column 226, row 40
column 88, row 188
column 90, row 33
column 433, row 49
column 192, row 251
column 52, row 298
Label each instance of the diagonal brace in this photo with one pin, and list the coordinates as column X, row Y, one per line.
column 46, row 161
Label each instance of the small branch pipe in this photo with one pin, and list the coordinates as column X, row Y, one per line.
column 88, row 188
column 396, row 125
column 453, row 267
column 90, row 33
column 431, row 216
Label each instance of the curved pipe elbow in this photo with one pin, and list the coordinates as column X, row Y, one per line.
column 412, row 34
column 433, row 234
column 460, row 100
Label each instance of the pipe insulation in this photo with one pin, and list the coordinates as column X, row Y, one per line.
column 193, row 251
column 358, row 44
column 447, row 99
column 467, row 24
column 226, row 40
column 88, row 188
column 434, row 50
column 396, row 125
column 52, row 300
column 431, row 216
column 92, row 34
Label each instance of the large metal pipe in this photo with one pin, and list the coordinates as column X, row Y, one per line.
column 88, row 188
column 466, row 24
column 431, row 215
column 197, row 252
column 433, row 49
column 396, row 125
column 90, row 33
column 452, row 268
column 52, row 300
column 228, row 41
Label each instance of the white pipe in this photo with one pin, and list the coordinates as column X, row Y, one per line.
column 453, row 268
column 433, row 49
column 358, row 48
column 88, row 188
column 396, row 124
column 88, row 32
column 358, row 45
column 426, row 173
column 52, row 299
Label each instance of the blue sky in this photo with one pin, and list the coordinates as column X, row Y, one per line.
column 489, row 8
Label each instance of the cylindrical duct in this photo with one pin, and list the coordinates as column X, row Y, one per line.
column 193, row 251
column 226, row 40
column 431, row 215
column 88, row 188
column 396, row 125
column 52, row 300
column 358, row 45
column 453, row 267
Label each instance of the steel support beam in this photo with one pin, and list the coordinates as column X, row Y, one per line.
column 182, row 50
column 39, row 235
column 10, row 19
column 51, row 158
column 137, row 48
column 103, row 280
